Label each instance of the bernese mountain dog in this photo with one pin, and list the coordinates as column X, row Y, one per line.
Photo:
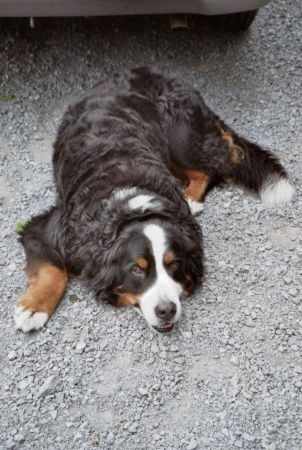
column 133, row 160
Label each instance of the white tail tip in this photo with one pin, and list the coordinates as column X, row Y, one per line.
column 276, row 191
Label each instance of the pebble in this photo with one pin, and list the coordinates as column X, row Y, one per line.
column 174, row 348
column 234, row 360
column 133, row 428
column 192, row 445
column 248, row 437
column 12, row 355
column 110, row 438
column 9, row 444
column 49, row 386
column 53, row 414
column 296, row 300
column 19, row 437
column 80, row 347
column 143, row 391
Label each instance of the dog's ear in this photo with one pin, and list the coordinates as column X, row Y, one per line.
column 191, row 246
column 105, row 282
column 106, row 277
column 193, row 272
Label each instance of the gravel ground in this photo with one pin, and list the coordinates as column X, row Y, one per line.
column 230, row 375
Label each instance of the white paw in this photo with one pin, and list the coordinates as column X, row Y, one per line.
column 195, row 207
column 26, row 320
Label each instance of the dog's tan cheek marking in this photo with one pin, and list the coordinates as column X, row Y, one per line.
column 45, row 289
column 127, row 299
column 198, row 182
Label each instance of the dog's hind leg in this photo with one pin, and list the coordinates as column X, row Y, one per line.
column 46, row 273
column 196, row 189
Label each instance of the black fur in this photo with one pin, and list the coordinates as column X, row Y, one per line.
column 131, row 132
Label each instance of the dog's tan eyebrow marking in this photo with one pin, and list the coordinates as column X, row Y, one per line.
column 142, row 263
column 169, row 257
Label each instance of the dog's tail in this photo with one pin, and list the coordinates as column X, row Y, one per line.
column 258, row 170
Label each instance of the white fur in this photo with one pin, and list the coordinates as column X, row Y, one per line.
column 26, row 320
column 276, row 191
column 195, row 207
column 142, row 201
column 123, row 193
column 164, row 289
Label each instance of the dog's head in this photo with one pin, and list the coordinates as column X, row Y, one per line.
column 150, row 266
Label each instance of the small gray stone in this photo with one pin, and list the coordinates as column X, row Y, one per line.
column 248, row 437
column 19, row 438
column 110, row 438
column 192, row 445
column 133, row 428
column 12, row 355
column 154, row 348
column 9, row 444
column 23, row 384
column 50, row 386
column 53, row 414
column 81, row 347
column 234, row 360
column 174, row 348
column 296, row 300
column 143, row 391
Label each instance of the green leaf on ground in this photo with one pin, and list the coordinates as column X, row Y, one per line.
column 21, row 225
column 7, row 97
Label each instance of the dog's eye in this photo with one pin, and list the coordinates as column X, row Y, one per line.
column 174, row 265
column 138, row 271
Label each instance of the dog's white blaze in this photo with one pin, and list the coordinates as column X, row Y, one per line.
column 141, row 201
column 164, row 287
column 276, row 191
column 26, row 320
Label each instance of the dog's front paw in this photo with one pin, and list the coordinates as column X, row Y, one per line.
column 195, row 207
column 27, row 320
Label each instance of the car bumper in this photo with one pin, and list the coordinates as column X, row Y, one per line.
column 45, row 8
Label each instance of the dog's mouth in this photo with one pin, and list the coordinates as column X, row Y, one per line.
column 164, row 328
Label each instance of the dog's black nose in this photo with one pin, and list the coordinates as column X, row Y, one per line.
column 166, row 311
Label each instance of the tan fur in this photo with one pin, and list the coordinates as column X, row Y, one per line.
column 169, row 257
column 198, row 182
column 45, row 288
column 142, row 263
column 127, row 299
column 236, row 152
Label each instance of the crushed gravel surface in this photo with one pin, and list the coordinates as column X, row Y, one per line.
column 230, row 375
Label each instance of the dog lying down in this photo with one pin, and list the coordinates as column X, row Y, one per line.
column 133, row 160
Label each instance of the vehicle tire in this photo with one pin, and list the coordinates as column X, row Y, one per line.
column 236, row 23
